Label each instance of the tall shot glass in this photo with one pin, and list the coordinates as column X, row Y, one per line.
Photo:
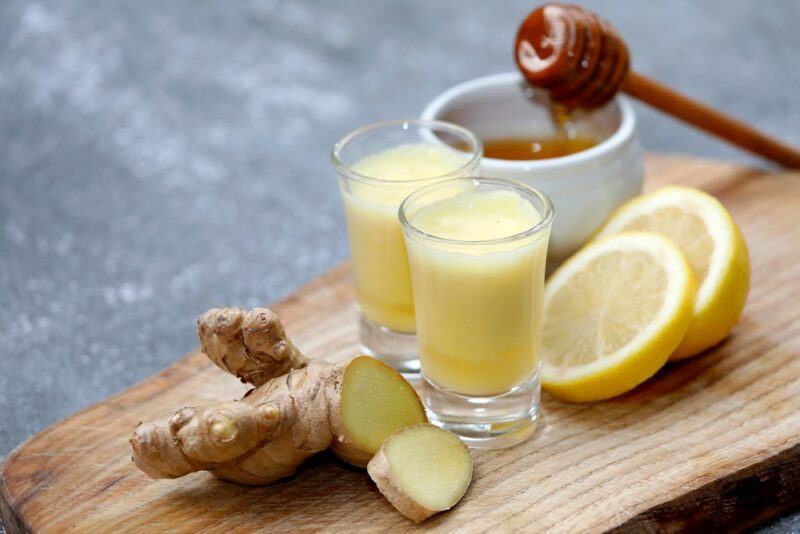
column 478, row 249
column 378, row 167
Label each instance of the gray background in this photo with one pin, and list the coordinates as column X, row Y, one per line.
column 158, row 158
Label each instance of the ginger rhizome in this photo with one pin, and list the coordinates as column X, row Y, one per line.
column 298, row 408
column 422, row 470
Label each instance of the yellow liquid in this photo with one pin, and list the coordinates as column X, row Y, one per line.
column 377, row 249
column 478, row 305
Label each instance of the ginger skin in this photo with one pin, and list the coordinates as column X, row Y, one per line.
column 292, row 414
column 251, row 345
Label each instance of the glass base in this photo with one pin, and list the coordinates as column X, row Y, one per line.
column 485, row 422
column 395, row 348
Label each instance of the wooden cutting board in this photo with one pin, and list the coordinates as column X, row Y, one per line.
column 711, row 443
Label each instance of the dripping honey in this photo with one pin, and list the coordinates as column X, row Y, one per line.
column 564, row 142
column 524, row 148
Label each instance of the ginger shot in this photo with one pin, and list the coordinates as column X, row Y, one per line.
column 477, row 249
column 378, row 167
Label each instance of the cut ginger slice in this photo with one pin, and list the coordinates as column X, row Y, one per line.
column 422, row 470
column 376, row 401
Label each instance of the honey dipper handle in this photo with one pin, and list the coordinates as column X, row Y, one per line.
column 710, row 120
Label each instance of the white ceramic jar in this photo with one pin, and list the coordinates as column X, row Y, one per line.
column 584, row 187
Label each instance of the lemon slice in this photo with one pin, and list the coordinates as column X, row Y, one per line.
column 712, row 244
column 613, row 313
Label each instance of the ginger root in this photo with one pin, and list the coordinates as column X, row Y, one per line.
column 250, row 345
column 422, row 470
column 300, row 407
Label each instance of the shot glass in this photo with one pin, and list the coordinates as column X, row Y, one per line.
column 478, row 249
column 378, row 167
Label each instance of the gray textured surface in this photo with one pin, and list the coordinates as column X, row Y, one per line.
column 157, row 158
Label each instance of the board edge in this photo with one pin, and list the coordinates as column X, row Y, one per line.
column 696, row 511
column 13, row 522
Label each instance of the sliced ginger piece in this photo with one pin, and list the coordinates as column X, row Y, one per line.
column 422, row 470
column 376, row 401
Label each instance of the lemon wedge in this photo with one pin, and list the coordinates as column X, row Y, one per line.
column 713, row 245
column 613, row 313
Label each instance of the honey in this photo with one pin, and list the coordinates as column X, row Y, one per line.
column 524, row 148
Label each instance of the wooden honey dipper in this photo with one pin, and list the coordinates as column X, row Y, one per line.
column 581, row 61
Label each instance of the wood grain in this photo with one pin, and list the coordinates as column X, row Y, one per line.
column 710, row 443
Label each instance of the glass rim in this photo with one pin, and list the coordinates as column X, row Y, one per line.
column 475, row 155
column 545, row 222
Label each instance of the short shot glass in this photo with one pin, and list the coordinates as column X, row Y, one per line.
column 478, row 249
column 378, row 167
